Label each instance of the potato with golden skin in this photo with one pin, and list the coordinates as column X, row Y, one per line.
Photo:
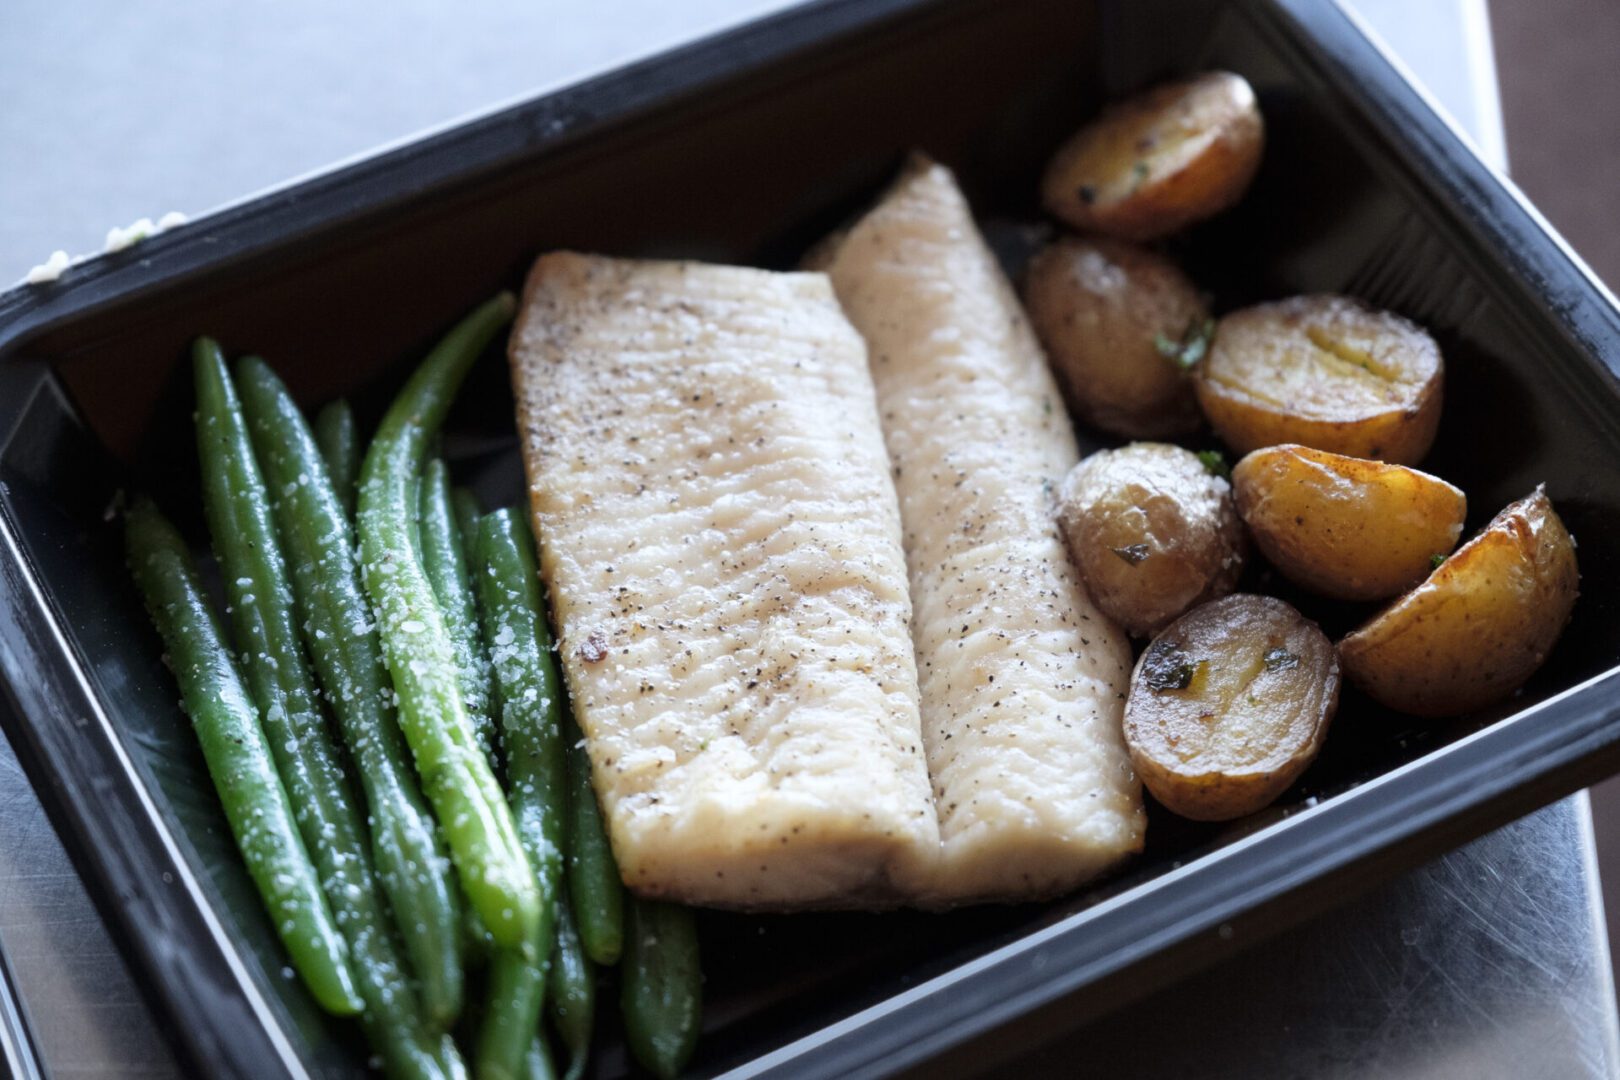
column 1160, row 160
column 1229, row 705
column 1481, row 624
column 1346, row 527
column 1324, row 371
column 1152, row 531
column 1104, row 310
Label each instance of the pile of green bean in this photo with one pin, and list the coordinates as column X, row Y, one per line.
column 387, row 632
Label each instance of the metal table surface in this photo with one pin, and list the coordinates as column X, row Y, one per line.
column 1489, row 962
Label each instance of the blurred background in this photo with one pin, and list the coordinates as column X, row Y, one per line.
column 116, row 111
column 1560, row 94
column 1560, row 91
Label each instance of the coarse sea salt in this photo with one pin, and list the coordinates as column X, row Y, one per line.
column 118, row 239
column 49, row 270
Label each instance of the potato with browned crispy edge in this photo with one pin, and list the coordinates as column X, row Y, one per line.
column 1229, row 705
column 1153, row 532
column 1482, row 623
column 1346, row 527
column 1327, row 372
column 1160, row 160
column 1122, row 327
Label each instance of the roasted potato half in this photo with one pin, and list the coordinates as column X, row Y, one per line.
column 1346, row 527
column 1326, row 372
column 1480, row 625
column 1229, row 705
column 1163, row 159
column 1153, row 532
column 1122, row 326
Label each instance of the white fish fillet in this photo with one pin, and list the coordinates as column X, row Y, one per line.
column 1023, row 681
column 721, row 542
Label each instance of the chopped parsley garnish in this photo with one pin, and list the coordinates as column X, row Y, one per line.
column 1133, row 553
column 1435, row 561
column 1280, row 659
column 1215, row 463
column 1166, row 666
column 1194, row 343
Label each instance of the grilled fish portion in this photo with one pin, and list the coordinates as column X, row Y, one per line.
column 720, row 539
column 1023, row 680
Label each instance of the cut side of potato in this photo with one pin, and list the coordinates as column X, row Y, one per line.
column 1161, row 160
column 1229, row 705
column 1481, row 624
column 1121, row 326
column 1346, row 527
column 1327, row 372
column 1153, row 532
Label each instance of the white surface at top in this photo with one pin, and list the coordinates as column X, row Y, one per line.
column 97, row 132
column 1446, row 45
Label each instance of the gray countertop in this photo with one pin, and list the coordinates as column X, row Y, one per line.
column 1491, row 961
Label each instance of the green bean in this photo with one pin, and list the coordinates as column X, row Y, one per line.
column 237, row 506
column 342, row 643
column 537, row 1066
column 450, row 1060
column 583, row 824
column 513, row 995
column 476, row 939
column 408, row 1050
column 444, row 558
column 339, row 440
column 468, row 510
column 531, row 702
column 594, row 885
column 571, row 992
column 456, row 776
column 661, row 985
column 475, row 936
column 227, row 726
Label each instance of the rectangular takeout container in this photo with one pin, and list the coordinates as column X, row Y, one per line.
column 747, row 147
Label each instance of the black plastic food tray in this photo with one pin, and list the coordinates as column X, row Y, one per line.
column 747, row 147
